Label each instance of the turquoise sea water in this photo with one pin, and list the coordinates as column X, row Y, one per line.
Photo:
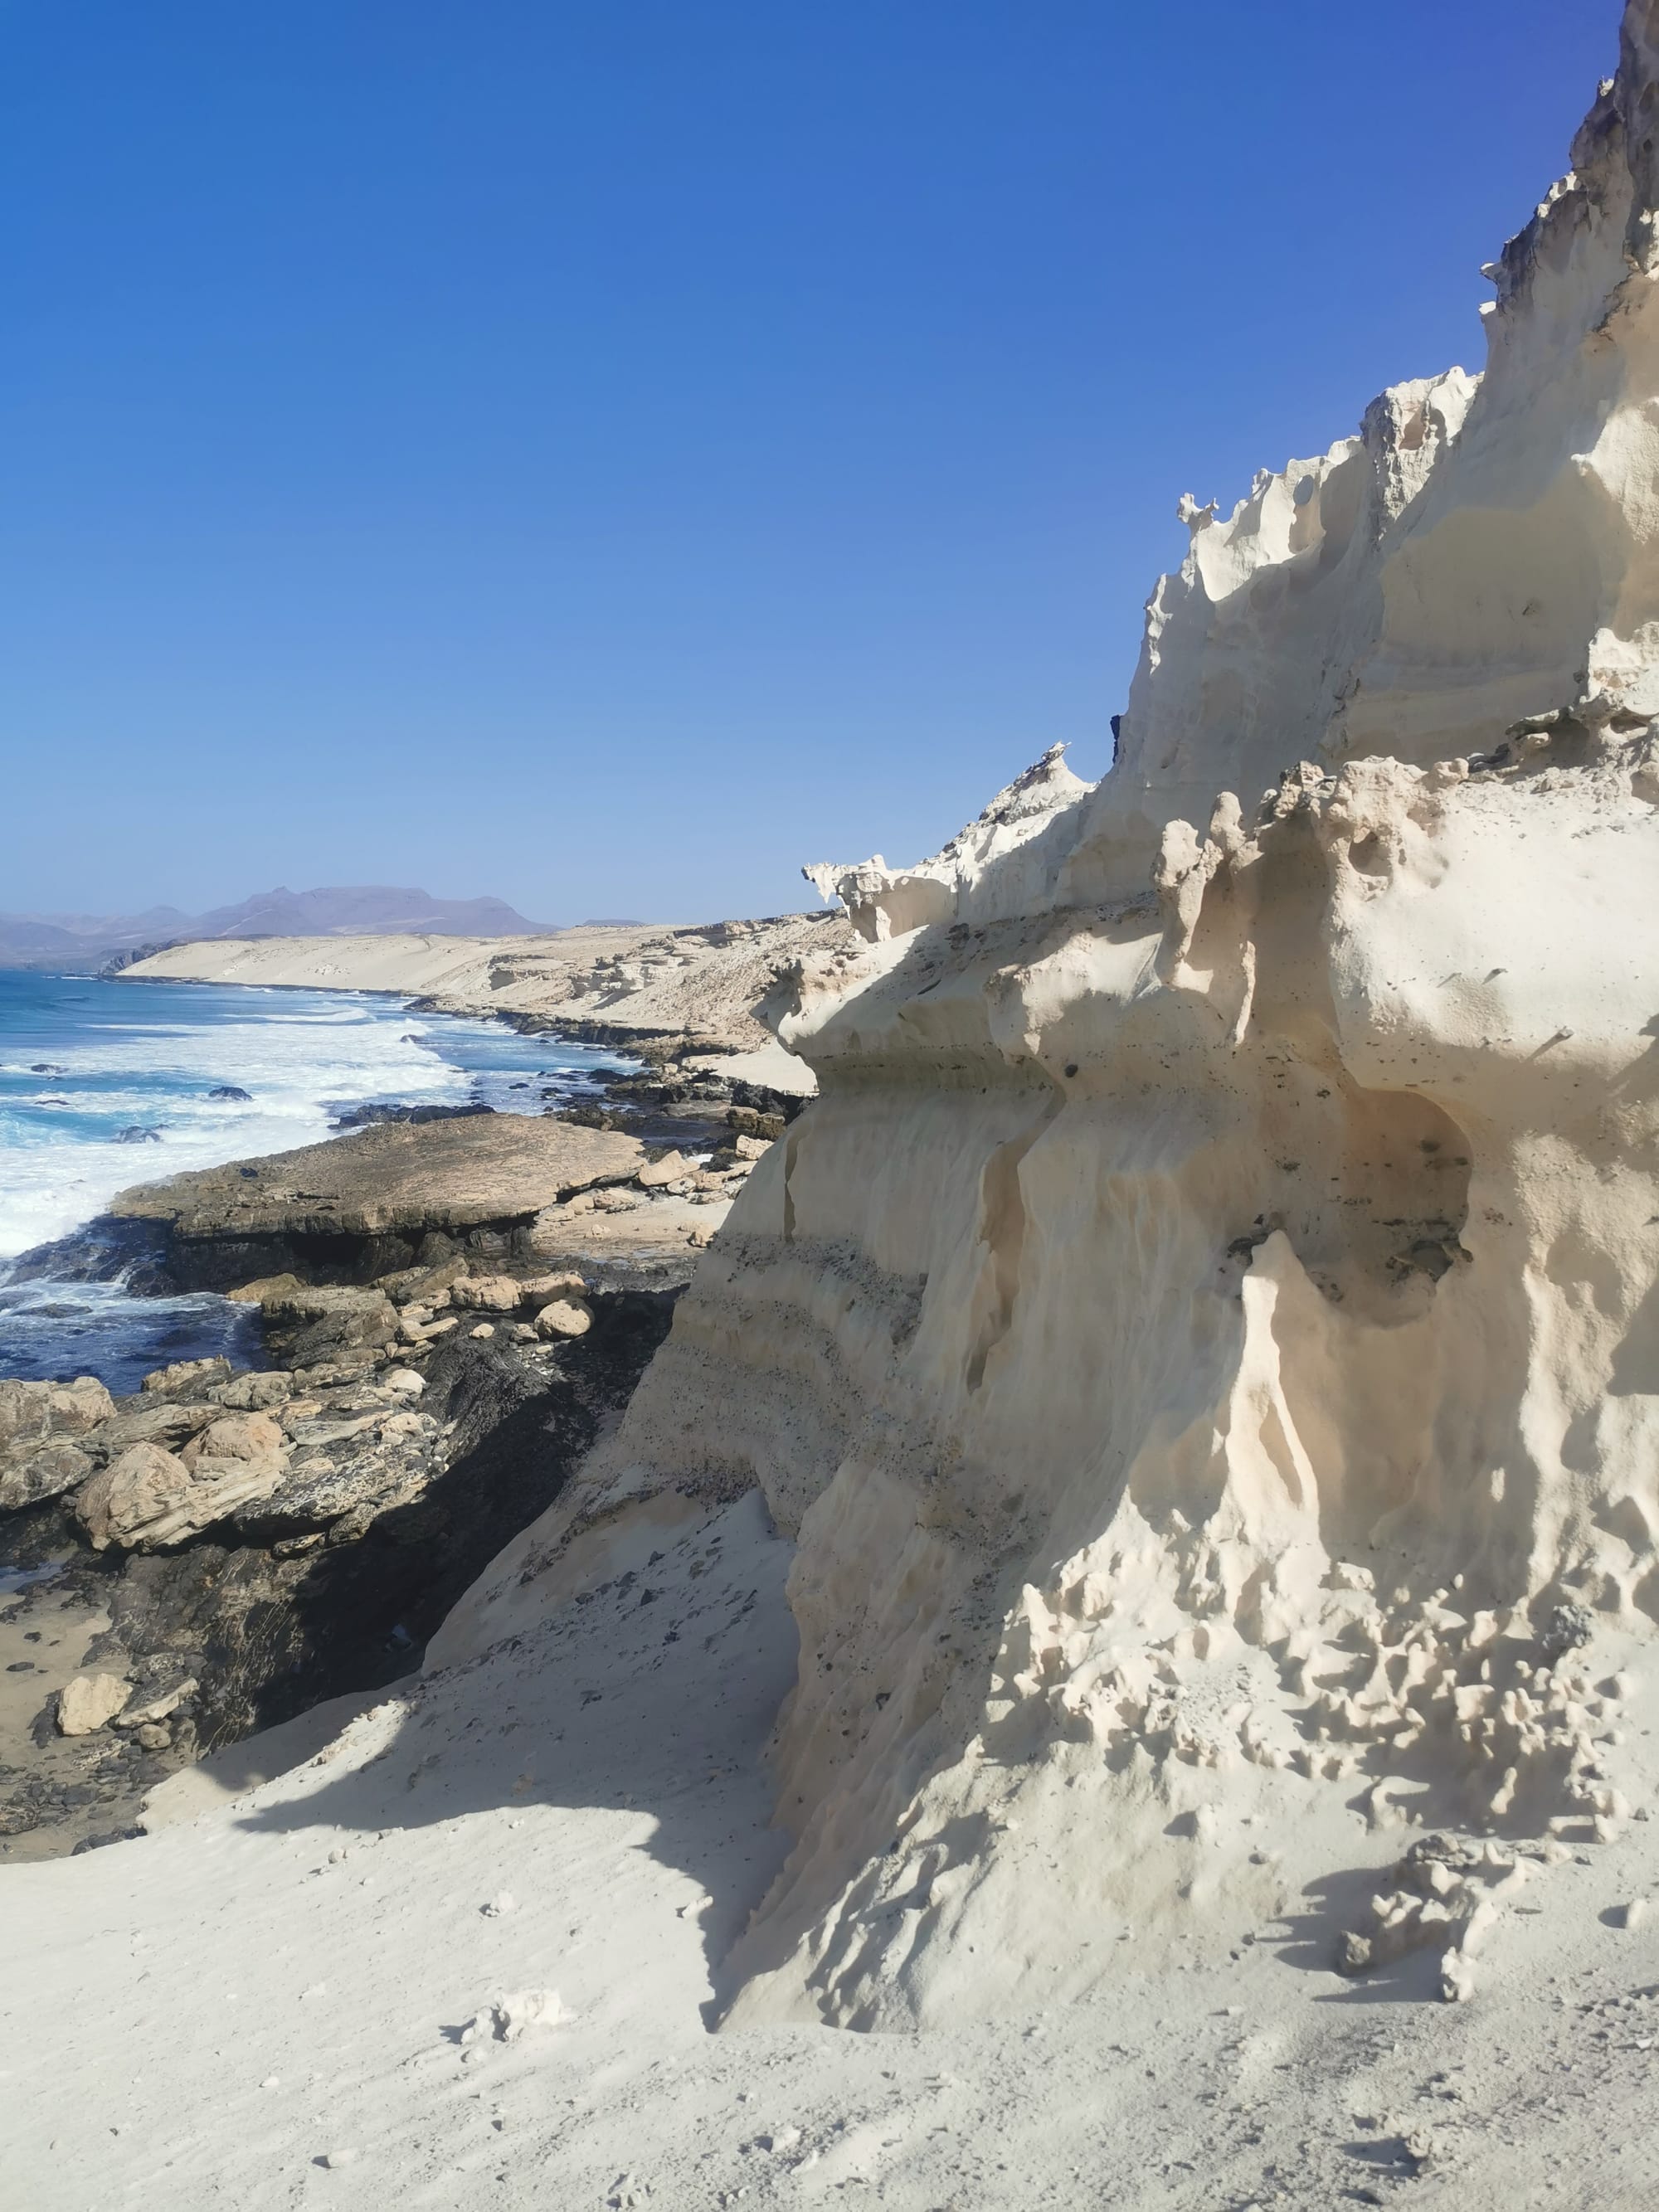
column 104, row 1084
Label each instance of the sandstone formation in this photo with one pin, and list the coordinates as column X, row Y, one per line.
column 1204, row 1338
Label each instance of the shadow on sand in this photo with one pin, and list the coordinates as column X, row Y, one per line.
column 652, row 1694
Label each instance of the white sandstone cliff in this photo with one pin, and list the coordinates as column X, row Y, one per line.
column 1205, row 1337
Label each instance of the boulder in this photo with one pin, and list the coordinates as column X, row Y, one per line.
column 149, row 1497
column 40, row 1425
column 539, row 1290
column 232, row 1091
column 311, row 1324
column 42, row 1410
column 160, row 1422
column 184, row 1375
column 158, row 1708
column 53, row 1469
column 487, row 1293
column 658, row 1173
column 564, row 1317
column 145, row 1480
column 422, row 1286
column 86, row 1701
column 257, row 1393
column 266, row 1286
column 235, row 1436
column 750, row 1123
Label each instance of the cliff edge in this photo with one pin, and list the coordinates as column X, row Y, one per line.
column 1202, row 1339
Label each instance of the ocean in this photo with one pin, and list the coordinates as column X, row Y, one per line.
column 105, row 1084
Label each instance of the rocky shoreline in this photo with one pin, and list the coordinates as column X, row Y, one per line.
column 681, row 999
column 452, row 1309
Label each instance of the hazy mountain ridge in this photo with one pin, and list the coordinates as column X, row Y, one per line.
column 41, row 939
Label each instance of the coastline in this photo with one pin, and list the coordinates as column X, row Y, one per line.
column 677, row 996
column 415, row 1383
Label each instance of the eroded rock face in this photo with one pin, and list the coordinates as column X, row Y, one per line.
column 1204, row 1333
column 40, row 1424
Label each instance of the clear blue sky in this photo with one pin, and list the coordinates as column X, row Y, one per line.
column 604, row 452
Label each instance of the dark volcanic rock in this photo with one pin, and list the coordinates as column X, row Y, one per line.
column 271, row 1629
column 331, row 1322
column 369, row 1116
column 100, row 1252
column 407, row 1470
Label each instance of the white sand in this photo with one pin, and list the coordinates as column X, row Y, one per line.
column 199, row 2018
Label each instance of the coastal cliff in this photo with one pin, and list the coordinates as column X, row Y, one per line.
column 1139, row 1554
column 1201, row 1339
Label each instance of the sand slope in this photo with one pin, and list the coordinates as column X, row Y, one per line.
column 199, row 2018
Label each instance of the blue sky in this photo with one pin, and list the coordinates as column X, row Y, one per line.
column 604, row 452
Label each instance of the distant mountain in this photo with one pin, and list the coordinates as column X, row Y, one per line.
column 47, row 940
column 362, row 910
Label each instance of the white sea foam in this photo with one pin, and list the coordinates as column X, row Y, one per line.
column 59, row 1164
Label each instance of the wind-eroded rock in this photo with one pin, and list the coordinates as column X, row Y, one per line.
column 1203, row 1334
